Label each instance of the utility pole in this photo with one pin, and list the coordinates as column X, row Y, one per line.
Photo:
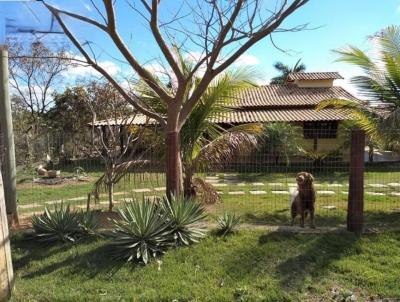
column 10, row 186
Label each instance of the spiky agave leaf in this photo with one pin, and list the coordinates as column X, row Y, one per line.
column 228, row 224
column 87, row 222
column 58, row 225
column 183, row 215
column 142, row 232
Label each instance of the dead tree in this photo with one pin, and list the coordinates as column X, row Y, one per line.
column 34, row 72
column 117, row 140
column 214, row 33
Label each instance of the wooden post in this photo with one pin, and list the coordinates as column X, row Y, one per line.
column 6, row 269
column 10, row 186
column 355, row 209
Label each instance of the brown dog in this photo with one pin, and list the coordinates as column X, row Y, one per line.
column 303, row 200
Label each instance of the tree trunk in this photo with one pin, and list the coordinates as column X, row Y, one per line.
column 110, row 187
column 371, row 153
column 173, row 164
column 187, row 184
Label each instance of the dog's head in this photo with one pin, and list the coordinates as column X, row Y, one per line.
column 304, row 179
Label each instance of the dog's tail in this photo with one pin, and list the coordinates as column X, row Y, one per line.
column 293, row 193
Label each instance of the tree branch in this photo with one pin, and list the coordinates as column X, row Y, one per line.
column 102, row 71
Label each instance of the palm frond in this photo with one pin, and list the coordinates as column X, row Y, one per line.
column 238, row 140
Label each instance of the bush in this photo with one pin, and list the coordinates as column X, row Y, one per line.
column 228, row 224
column 62, row 224
column 87, row 223
column 141, row 233
column 182, row 216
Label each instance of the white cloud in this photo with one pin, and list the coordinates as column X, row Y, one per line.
column 247, row 60
column 81, row 71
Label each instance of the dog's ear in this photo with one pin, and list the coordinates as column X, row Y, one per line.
column 311, row 177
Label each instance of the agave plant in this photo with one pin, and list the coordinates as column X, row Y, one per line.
column 182, row 215
column 58, row 225
column 228, row 224
column 141, row 232
column 87, row 223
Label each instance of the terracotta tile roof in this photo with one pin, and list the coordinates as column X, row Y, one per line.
column 288, row 96
column 314, row 76
column 272, row 103
column 253, row 116
column 280, row 115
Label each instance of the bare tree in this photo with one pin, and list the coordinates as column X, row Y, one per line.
column 34, row 72
column 218, row 31
column 118, row 147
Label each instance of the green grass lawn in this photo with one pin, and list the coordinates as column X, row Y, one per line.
column 268, row 208
column 250, row 266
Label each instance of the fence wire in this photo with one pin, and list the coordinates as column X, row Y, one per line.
column 256, row 186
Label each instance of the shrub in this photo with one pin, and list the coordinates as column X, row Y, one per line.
column 228, row 224
column 87, row 223
column 141, row 233
column 58, row 225
column 182, row 216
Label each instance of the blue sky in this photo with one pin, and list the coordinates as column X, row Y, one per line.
column 338, row 23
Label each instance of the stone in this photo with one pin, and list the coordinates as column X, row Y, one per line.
column 53, row 201
column 29, row 206
column 375, row 193
column 212, row 178
column 257, row 184
column 329, row 207
column 213, row 181
column 395, row 194
column 394, row 185
column 77, row 198
column 120, row 193
column 377, row 185
column 345, row 192
column 141, row 190
column 220, row 185
column 236, row 193
column 334, row 185
column 241, row 184
column 258, row 192
column 325, row 192
column 280, row 192
column 159, row 189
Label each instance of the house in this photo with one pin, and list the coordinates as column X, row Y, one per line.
column 294, row 102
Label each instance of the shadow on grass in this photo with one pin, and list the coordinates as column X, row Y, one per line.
column 314, row 257
column 88, row 257
column 282, row 217
column 301, row 257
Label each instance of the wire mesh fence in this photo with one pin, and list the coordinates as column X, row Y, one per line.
column 257, row 185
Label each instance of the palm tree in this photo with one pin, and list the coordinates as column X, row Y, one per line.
column 207, row 145
column 285, row 70
column 379, row 83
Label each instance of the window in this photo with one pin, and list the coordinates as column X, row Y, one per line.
column 314, row 130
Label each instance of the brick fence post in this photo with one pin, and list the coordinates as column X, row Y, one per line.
column 355, row 209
